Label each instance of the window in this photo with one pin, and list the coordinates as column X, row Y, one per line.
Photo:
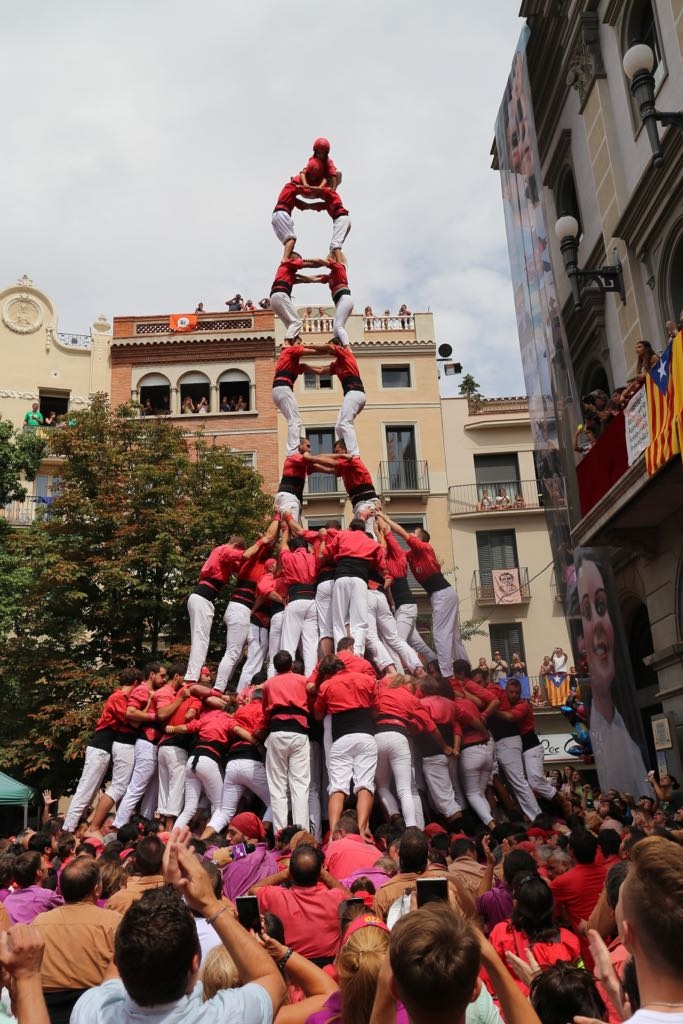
column 497, row 479
column 395, row 376
column 402, row 458
column 195, row 393
column 508, row 638
column 496, row 549
column 53, row 401
column 318, row 522
column 566, row 199
column 313, row 382
column 674, row 296
column 641, row 27
column 233, row 391
column 322, row 443
column 154, row 394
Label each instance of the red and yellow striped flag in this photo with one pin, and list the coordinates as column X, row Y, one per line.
column 660, row 384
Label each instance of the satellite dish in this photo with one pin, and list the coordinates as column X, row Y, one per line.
column 445, row 351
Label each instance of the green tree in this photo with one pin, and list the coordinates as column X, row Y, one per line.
column 112, row 563
column 469, row 388
column 20, row 452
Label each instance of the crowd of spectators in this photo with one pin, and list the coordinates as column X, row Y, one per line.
column 576, row 916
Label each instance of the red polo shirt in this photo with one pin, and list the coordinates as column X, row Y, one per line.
column 348, row 854
column 309, row 914
column 285, row 690
column 221, row 564
column 422, row 558
column 287, row 367
column 285, row 275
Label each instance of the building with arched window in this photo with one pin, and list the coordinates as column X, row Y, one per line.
column 592, row 158
column 214, row 378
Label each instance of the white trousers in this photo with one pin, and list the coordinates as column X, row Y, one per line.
column 533, row 765
column 315, row 811
column 352, row 403
column 283, row 225
column 340, row 229
column 274, row 640
column 440, row 772
column 475, row 772
column 446, row 629
column 172, row 765
column 406, row 627
column 286, row 502
column 92, row 776
column 288, row 763
column 401, row 652
column 343, row 309
column 300, row 623
column 509, row 754
column 394, row 760
column 289, row 407
column 257, row 652
column 123, row 762
column 207, row 777
column 237, row 621
column 283, row 307
column 142, row 782
column 374, row 647
column 241, row 774
column 323, row 606
column 352, row 757
column 201, row 612
column 350, row 604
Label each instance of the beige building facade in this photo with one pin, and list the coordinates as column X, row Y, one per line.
column 40, row 364
column 597, row 165
column 501, row 546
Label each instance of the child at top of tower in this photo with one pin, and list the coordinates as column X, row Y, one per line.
column 320, row 169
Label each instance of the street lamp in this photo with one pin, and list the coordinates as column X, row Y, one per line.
column 638, row 64
column 610, row 279
column 444, row 360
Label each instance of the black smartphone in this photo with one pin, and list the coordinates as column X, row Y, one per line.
column 355, row 901
column 430, row 890
column 248, row 913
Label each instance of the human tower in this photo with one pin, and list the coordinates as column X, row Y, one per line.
column 334, row 604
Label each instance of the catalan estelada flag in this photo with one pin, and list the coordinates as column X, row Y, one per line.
column 659, row 388
column 183, row 322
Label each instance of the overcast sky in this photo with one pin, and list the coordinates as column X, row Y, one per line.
column 145, row 141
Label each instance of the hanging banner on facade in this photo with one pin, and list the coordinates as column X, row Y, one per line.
column 505, row 585
column 615, row 727
column 637, row 426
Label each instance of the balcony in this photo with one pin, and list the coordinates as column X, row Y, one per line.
column 503, row 496
column 511, row 587
column 23, row 513
column 324, row 486
column 410, row 476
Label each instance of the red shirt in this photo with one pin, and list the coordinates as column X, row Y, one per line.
column 469, row 716
column 287, row 366
column 337, row 278
column 287, row 199
column 345, row 691
column 310, row 916
column 422, row 559
column 355, row 475
column 357, row 547
column 398, row 706
column 443, row 712
column 396, row 558
column 333, row 204
column 295, row 469
column 138, row 698
column 352, row 662
column 348, row 854
column 285, row 690
column 578, row 890
column 524, row 715
column 212, row 728
column 504, row 937
column 178, row 718
column 285, row 275
column 250, row 573
column 113, row 714
column 317, row 170
column 346, row 368
column 269, row 584
column 298, row 566
column 221, row 564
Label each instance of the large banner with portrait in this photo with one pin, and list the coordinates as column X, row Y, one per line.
column 615, row 727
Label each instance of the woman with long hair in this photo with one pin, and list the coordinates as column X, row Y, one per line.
column 531, row 927
column 647, row 359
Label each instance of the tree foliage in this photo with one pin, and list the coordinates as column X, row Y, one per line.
column 101, row 581
column 21, row 451
column 469, row 388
